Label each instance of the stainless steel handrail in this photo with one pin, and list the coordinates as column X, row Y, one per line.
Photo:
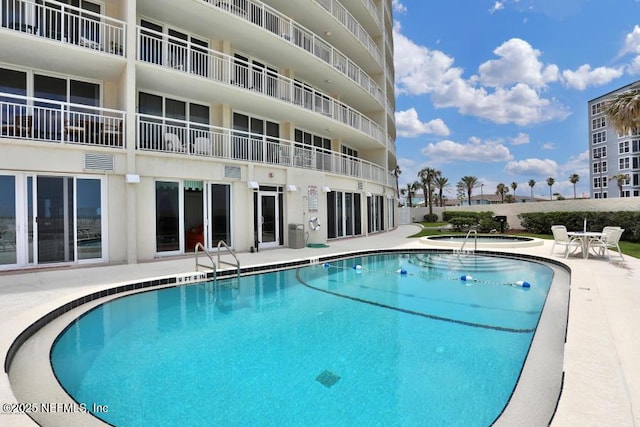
column 475, row 240
column 237, row 264
column 213, row 266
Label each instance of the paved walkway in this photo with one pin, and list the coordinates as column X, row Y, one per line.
column 602, row 373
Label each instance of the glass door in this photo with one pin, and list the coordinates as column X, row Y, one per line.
column 8, row 253
column 219, row 213
column 54, row 219
column 268, row 219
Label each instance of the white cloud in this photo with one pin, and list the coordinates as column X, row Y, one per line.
column 534, row 168
column 518, row 63
column 420, row 71
column 634, row 67
column 496, row 6
column 584, row 76
column 632, row 41
column 447, row 151
column 409, row 125
column 519, row 104
column 548, row 146
column 520, row 139
column 398, row 7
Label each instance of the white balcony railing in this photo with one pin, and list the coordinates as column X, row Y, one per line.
column 161, row 134
column 350, row 23
column 66, row 24
column 52, row 121
column 181, row 55
column 270, row 19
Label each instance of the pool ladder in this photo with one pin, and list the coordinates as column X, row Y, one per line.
column 475, row 240
column 200, row 248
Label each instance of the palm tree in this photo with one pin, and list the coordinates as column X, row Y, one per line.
column 574, row 178
column 501, row 190
column 550, row 182
column 411, row 188
column 468, row 182
column 532, row 183
column 428, row 177
column 620, row 179
column 441, row 182
column 514, row 185
column 396, row 172
column 623, row 110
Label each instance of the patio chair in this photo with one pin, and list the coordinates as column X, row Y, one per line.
column 609, row 240
column 561, row 238
column 172, row 142
column 202, row 145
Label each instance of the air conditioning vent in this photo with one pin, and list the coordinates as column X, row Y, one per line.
column 101, row 162
column 233, row 172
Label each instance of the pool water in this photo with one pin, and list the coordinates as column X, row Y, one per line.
column 379, row 340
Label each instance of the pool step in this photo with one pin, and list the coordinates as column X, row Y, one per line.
column 462, row 262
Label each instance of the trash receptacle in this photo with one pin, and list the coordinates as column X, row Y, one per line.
column 296, row 236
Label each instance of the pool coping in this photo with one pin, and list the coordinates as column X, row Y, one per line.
column 441, row 241
column 524, row 403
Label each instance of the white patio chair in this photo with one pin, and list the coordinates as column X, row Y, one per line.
column 609, row 240
column 561, row 238
column 202, row 145
column 172, row 142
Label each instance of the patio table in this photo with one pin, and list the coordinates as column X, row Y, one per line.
column 585, row 237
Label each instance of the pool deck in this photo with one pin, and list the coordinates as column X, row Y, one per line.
column 602, row 352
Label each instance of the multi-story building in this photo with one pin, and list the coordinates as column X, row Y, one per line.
column 612, row 154
column 134, row 129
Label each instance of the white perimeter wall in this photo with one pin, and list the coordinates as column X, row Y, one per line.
column 511, row 210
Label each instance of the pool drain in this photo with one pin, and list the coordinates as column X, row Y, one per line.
column 327, row 378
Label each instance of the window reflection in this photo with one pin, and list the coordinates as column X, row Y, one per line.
column 7, row 220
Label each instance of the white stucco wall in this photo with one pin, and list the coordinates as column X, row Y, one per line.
column 511, row 210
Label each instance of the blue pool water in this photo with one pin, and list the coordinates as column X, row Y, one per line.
column 322, row 345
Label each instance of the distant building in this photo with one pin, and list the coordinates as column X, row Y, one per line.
column 491, row 199
column 610, row 153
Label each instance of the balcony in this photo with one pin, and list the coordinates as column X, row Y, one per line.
column 183, row 56
column 66, row 24
column 284, row 27
column 38, row 119
column 161, row 134
column 341, row 13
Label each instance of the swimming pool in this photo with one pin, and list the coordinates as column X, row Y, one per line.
column 484, row 241
column 315, row 345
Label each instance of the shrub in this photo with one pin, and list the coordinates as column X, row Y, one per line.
column 461, row 222
column 541, row 222
column 447, row 215
column 431, row 218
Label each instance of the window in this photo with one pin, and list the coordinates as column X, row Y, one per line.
column 255, row 138
column 599, row 137
column 597, row 108
column 343, row 214
column 167, row 216
column 15, row 83
column 635, row 145
column 255, row 75
column 623, row 147
column 170, row 124
column 598, row 123
column 599, row 152
column 375, row 213
column 623, row 163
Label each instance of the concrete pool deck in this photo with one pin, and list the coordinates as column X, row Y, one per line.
column 601, row 369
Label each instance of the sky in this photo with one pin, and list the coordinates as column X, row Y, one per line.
column 499, row 89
